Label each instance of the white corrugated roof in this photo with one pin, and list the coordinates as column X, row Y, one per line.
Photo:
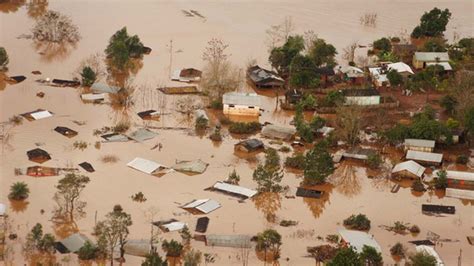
column 104, row 88
column 410, row 166
column 445, row 65
column 460, row 193
column 424, row 156
column 93, row 96
column 400, row 67
column 142, row 134
column 431, row 56
column 420, row 143
column 359, row 239
column 174, row 226
column 240, row 98
column 41, row 114
column 458, row 175
column 144, row 165
column 247, row 192
column 203, row 205
column 375, row 72
column 3, row 208
column 429, row 250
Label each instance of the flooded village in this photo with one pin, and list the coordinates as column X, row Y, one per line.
column 236, row 132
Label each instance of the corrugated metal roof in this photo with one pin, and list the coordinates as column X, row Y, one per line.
column 431, row 56
column 174, row 226
column 142, row 134
column 203, row 205
column 41, row 114
column 410, row 166
column 458, row 175
column 420, row 143
column 144, row 165
column 196, row 166
column 104, row 88
column 240, row 98
column 233, row 241
column 460, row 193
column 234, row 189
column 74, row 242
column 358, row 240
column 278, row 132
column 93, row 96
column 424, row 156
column 400, row 67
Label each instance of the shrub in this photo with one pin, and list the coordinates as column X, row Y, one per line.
column 462, row 159
column 233, row 178
column 374, row 160
column 19, row 191
column 441, row 182
column 383, row 44
column 139, row 197
column 216, row 135
column 109, row 159
column 285, row 149
column 201, row 123
column 286, row 223
column 397, row 250
column 16, row 120
column 80, row 145
column 332, row 238
column 3, row 58
column 88, row 76
column 370, row 256
column 88, row 251
column 216, row 104
column 422, row 259
column 122, row 47
column 297, row 161
column 418, row 186
column 414, row 229
column 172, row 248
column 121, row 127
column 245, row 128
column 358, row 222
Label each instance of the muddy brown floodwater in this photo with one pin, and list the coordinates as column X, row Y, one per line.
column 242, row 25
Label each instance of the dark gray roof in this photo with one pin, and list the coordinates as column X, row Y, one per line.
column 261, row 75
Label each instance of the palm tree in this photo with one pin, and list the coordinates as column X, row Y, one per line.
column 19, row 191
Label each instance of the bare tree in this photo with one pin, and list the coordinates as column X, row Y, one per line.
column 68, row 194
column 55, row 27
column 95, row 62
column 278, row 34
column 349, row 52
column 219, row 75
column 369, row 19
column 244, row 253
column 309, row 38
column 349, row 123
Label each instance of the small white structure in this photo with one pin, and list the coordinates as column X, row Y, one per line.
column 421, row 59
column 238, row 191
column 425, row 157
column 419, row 145
column 238, row 103
column 146, row 166
column 37, row 115
column 361, row 97
column 430, row 251
column 3, row 209
column 93, row 96
column 409, row 168
column 74, row 242
column 460, row 193
column 460, row 184
column 202, row 205
column 359, row 239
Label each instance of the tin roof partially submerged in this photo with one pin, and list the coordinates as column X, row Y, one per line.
column 278, row 132
column 202, row 205
column 420, row 143
column 458, row 175
column 240, row 98
column 146, row 166
column 410, row 166
column 234, row 189
column 74, row 242
column 104, row 88
column 359, row 239
column 232, row 241
column 424, row 156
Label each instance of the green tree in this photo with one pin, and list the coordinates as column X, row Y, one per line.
column 394, row 78
column 357, row 222
column 322, row 53
column 172, row 248
column 88, row 76
column 154, row 259
column 122, row 47
column 3, row 58
column 302, row 73
column 269, row 240
column 36, row 241
column 383, row 45
column 397, row 250
column 346, row 257
column 334, row 98
column 19, row 191
column 318, row 165
column 192, row 258
column 88, row 251
column 371, row 257
column 68, row 193
column 317, row 123
column 269, row 175
column 432, row 24
column 422, row 259
column 280, row 57
column 449, row 102
column 233, row 178
column 374, row 160
column 435, row 45
column 469, row 120
column 441, row 182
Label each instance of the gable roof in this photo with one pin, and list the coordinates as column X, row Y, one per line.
column 203, row 205
column 104, row 88
column 420, row 143
column 142, row 134
column 400, row 67
column 410, row 166
column 74, row 242
column 360, row 92
column 424, row 156
column 431, row 56
column 278, row 132
column 359, row 239
column 234, row 189
column 258, row 74
column 240, row 98
column 458, row 175
column 144, row 165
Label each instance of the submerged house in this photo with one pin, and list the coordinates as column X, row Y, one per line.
column 37, row 115
column 65, row 131
column 233, row 190
column 423, row 59
column 325, row 73
column 409, row 169
column 460, row 184
column 278, row 132
column 104, row 88
column 423, row 145
column 263, row 78
column 249, row 145
column 358, row 239
column 358, row 153
column 72, row 243
column 238, row 103
column 147, row 166
column 351, row 73
column 231, row 241
column 200, row 206
column 38, row 155
column 187, row 75
column 361, row 97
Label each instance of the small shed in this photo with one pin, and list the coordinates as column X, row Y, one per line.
column 187, row 75
column 202, row 224
column 410, row 169
column 231, row 241
column 421, row 59
column 93, row 96
column 460, row 193
column 234, row 190
column 358, row 153
column 147, row 166
column 142, row 134
column 359, row 239
column 263, row 78
column 37, row 115
column 239, row 103
column 361, row 97
column 309, row 193
column 201, row 113
column 104, row 88
column 87, row 166
column 190, row 167
column 423, row 145
column 115, row 137
column 38, row 155
column 459, row 179
column 249, row 145
column 278, row 132
column 200, row 206
column 170, row 225
column 137, row 247
column 72, row 243
column 149, row 115
column 65, row 131
column 425, row 158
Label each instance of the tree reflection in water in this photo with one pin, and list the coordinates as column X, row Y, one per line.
column 346, row 180
column 11, row 6
column 19, row 205
column 316, row 206
column 37, row 8
column 268, row 203
column 54, row 51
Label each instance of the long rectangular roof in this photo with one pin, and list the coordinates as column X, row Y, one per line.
column 234, row 189
column 420, row 143
column 431, row 56
column 233, row 241
column 203, row 205
column 460, row 193
column 41, row 114
column 458, row 175
column 144, row 165
column 359, row 239
column 410, row 166
column 424, row 156
column 278, row 132
column 240, row 98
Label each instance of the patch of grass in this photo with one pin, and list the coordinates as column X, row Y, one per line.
column 121, row 127
column 357, row 222
column 245, row 128
column 80, row 145
column 297, row 161
column 16, row 120
column 287, row 223
column 109, row 159
column 139, row 197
